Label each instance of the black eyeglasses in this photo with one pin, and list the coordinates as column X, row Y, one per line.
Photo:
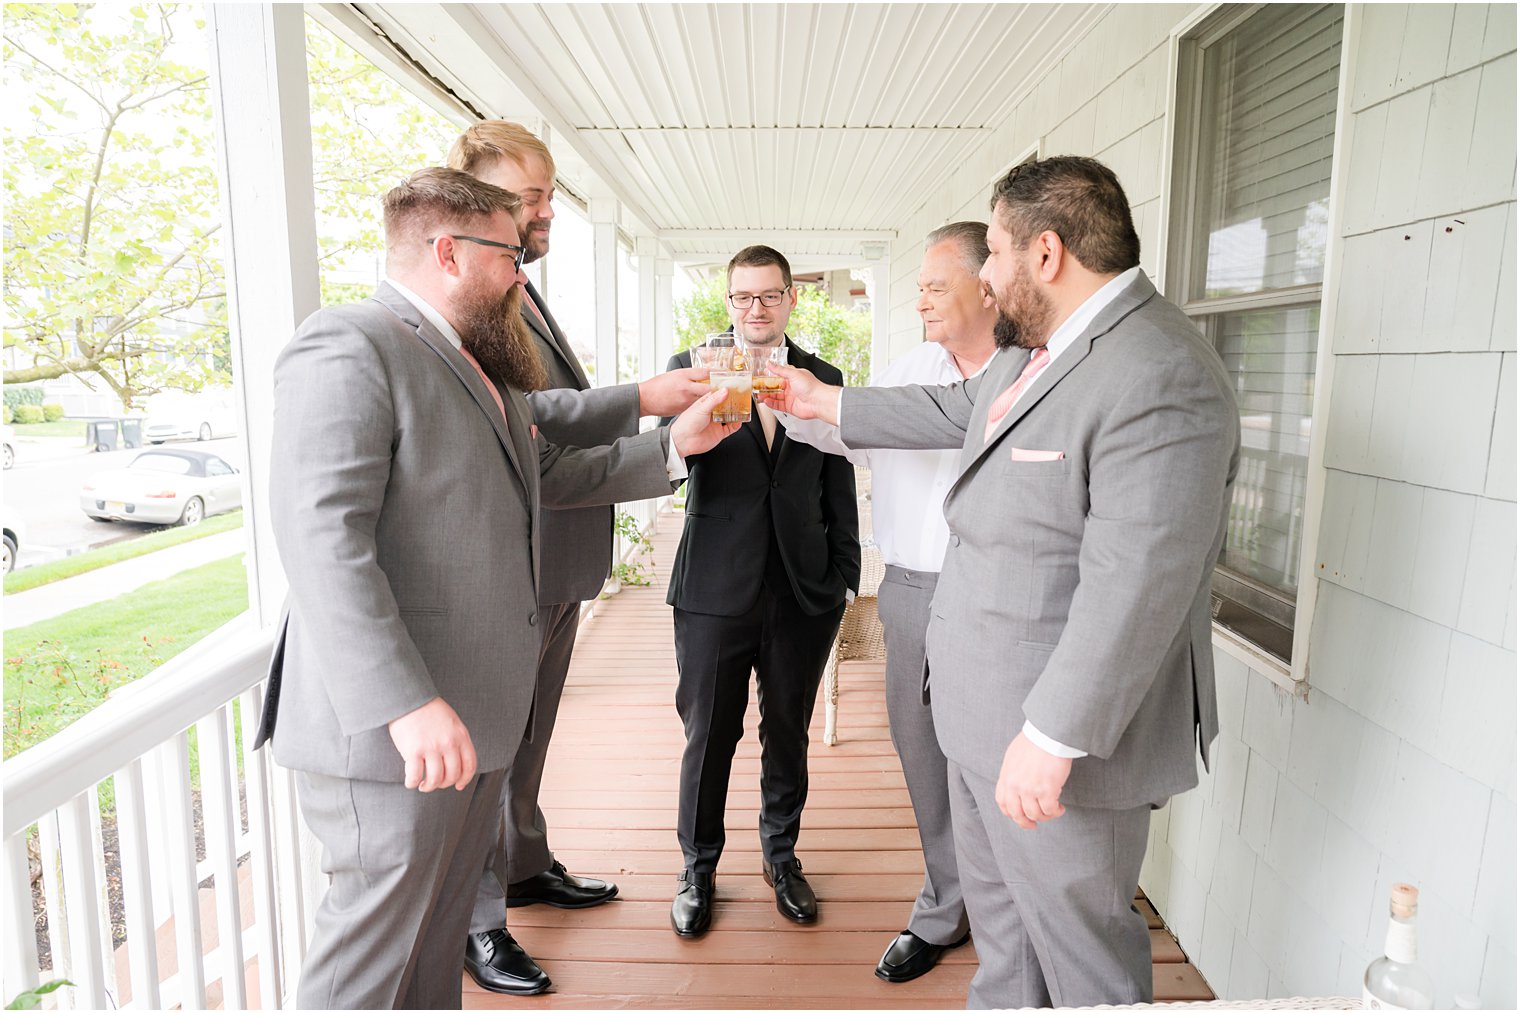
column 517, row 251
column 744, row 300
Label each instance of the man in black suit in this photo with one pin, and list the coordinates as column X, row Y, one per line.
column 770, row 551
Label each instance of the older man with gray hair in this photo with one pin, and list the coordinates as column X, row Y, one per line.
column 908, row 492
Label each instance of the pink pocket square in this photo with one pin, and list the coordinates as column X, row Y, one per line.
column 1020, row 454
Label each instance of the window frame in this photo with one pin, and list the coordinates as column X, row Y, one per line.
column 1180, row 205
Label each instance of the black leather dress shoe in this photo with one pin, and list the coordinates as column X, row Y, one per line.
column 910, row 957
column 794, row 898
column 691, row 911
column 558, row 888
column 498, row 964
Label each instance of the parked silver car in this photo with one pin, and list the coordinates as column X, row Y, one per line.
column 163, row 486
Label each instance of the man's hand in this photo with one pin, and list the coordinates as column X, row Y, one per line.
column 1029, row 785
column 694, row 431
column 436, row 747
column 671, row 393
column 804, row 396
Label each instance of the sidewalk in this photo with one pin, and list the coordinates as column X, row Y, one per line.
column 71, row 593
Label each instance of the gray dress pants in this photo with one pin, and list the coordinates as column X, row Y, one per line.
column 939, row 913
column 1053, row 908
column 402, row 870
column 523, row 851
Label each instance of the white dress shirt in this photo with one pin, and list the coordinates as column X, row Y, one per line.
column 908, row 487
column 675, row 465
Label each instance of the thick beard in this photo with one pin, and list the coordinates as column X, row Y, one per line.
column 491, row 329
column 1005, row 333
column 1024, row 313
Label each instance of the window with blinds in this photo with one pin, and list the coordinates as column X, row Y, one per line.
column 1256, row 128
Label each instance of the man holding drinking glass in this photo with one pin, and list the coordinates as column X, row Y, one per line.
column 769, row 553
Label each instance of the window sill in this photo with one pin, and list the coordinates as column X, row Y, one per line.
column 1258, row 660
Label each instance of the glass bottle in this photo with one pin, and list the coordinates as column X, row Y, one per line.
column 1395, row 980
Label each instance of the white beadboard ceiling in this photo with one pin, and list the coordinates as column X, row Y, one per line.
column 819, row 128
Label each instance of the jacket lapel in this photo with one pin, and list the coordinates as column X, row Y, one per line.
column 552, row 334
column 466, row 374
column 1132, row 298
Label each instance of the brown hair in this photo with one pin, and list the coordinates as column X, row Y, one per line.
column 488, row 141
column 1077, row 198
column 760, row 256
column 435, row 200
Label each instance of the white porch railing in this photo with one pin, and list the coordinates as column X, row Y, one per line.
column 140, row 740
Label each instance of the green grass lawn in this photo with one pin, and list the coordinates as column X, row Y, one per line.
column 36, row 576
column 62, row 668
column 63, row 427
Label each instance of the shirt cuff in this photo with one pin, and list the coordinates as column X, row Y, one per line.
column 849, row 596
column 839, row 411
column 1050, row 745
column 675, row 465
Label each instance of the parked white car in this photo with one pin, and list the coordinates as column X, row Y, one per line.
column 167, row 486
column 15, row 536
column 189, row 417
column 10, row 446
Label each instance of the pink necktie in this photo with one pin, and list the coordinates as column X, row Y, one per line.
column 495, row 396
column 1006, row 399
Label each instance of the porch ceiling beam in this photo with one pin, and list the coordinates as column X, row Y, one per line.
column 708, row 235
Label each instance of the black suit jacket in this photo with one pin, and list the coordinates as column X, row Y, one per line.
column 740, row 493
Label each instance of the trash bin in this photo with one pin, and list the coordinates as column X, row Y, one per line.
column 131, row 433
column 101, row 435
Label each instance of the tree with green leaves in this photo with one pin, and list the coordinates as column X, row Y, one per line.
column 113, row 263
column 841, row 336
column 111, row 204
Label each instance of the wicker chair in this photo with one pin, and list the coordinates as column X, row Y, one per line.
column 860, row 636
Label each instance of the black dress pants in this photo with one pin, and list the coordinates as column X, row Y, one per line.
column 786, row 649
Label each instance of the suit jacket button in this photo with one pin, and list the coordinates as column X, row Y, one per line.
column 955, row 539
column 775, row 484
column 532, row 618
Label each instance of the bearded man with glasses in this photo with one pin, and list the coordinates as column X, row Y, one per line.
column 768, row 556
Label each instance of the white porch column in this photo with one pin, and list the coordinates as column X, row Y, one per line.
column 665, row 311
column 604, row 258
column 263, row 128
column 881, row 314
column 650, row 362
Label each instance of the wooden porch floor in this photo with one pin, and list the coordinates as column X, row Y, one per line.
column 610, row 799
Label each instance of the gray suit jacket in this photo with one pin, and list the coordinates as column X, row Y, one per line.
column 577, row 540
column 405, row 510
column 1075, row 592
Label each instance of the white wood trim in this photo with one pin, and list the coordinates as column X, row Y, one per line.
column 20, row 938
column 262, row 116
column 82, row 902
column 604, row 254
column 137, row 885
column 1324, row 362
column 218, row 818
column 179, row 826
column 365, row 37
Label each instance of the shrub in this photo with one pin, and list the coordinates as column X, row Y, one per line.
column 7, row 414
column 15, row 397
column 28, row 414
column 52, row 412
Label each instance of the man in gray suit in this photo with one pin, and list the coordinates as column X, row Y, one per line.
column 577, row 552
column 1070, row 641
column 404, row 494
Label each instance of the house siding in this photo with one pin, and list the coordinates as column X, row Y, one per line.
column 1399, row 763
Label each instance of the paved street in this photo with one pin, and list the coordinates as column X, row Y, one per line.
column 43, row 489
